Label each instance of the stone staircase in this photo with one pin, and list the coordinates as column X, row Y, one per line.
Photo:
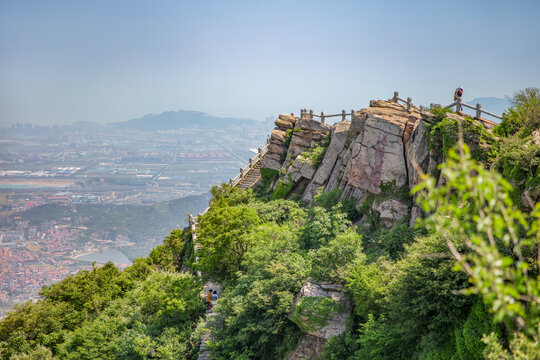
column 204, row 351
column 251, row 178
column 250, row 174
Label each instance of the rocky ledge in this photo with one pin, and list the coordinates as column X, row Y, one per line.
column 384, row 143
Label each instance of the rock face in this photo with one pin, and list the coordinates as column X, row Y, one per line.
column 307, row 133
column 376, row 156
column 417, row 153
column 337, row 143
column 383, row 144
column 390, row 212
column 300, row 168
column 309, row 347
column 276, row 145
column 321, row 310
column 415, row 214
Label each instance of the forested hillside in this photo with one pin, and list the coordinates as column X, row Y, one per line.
column 461, row 283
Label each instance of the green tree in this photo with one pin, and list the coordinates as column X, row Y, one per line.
column 255, row 310
column 222, row 238
column 501, row 257
column 322, row 226
column 524, row 115
column 333, row 261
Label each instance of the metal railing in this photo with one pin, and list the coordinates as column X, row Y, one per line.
column 246, row 169
column 458, row 104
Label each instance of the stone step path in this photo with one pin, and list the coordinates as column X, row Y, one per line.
column 204, row 351
column 251, row 178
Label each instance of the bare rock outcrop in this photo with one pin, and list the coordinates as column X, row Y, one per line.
column 300, row 168
column 376, row 153
column 418, row 154
column 285, row 122
column 276, row 146
column 416, row 213
column 384, row 143
column 337, row 143
column 307, row 133
column 321, row 310
column 390, row 211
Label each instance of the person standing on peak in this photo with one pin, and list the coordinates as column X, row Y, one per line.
column 458, row 96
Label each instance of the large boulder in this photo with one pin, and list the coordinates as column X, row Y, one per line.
column 390, row 211
column 285, row 122
column 278, row 135
column 306, row 135
column 313, row 125
column 321, row 310
column 300, row 168
column 309, row 347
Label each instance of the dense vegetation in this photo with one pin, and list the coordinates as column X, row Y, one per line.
column 461, row 285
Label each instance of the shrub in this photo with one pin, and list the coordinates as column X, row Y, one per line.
column 282, row 189
column 524, row 115
column 315, row 154
column 268, row 175
column 312, row 313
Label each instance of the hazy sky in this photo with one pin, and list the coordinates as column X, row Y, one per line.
column 65, row 61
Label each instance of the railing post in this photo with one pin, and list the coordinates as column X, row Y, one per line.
column 421, row 107
column 352, row 114
column 409, row 101
column 396, row 95
column 230, row 181
column 311, row 114
column 478, row 110
column 259, row 150
column 322, row 117
column 343, row 114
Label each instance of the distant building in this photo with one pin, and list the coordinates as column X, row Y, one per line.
column 58, row 198
column 84, row 198
column 11, row 236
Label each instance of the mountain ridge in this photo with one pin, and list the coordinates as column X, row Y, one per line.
column 171, row 120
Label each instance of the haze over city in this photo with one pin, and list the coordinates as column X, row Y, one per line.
column 102, row 61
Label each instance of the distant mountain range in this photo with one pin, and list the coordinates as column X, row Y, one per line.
column 170, row 120
column 491, row 104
